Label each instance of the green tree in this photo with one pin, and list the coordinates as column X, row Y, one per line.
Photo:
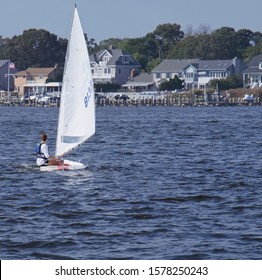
column 143, row 49
column 2, row 42
column 111, row 42
column 172, row 84
column 224, row 43
column 193, row 46
column 151, row 64
column 35, row 48
column 91, row 44
column 244, row 38
column 106, row 87
column 231, row 82
column 255, row 47
column 165, row 36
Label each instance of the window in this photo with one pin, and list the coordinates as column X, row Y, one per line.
column 107, row 70
column 125, row 59
column 202, row 74
column 158, row 75
column 106, row 58
column 168, row 75
column 260, row 65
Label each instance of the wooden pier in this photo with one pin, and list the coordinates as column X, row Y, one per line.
column 173, row 101
column 179, row 101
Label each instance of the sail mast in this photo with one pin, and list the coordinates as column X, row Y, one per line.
column 8, row 82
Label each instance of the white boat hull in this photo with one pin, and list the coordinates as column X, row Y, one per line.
column 68, row 165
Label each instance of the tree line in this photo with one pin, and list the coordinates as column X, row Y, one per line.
column 40, row 48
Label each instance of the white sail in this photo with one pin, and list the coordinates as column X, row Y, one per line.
column 77, row 108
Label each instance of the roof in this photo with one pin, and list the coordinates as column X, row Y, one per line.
column 255, row 60
column 54, row 84
column 218, row 65
column 36, row 71
column 115, row 59
column 143, row 79
column 215, row 64
column 253, row 65
column 173, row 65
column 3, row 62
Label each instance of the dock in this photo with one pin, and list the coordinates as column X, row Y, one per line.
column 165, row 101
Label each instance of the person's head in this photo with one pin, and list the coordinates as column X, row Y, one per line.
column 43, row 137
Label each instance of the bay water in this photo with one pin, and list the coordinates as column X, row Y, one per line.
column 160, row 183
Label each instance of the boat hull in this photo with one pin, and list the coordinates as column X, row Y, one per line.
column 67, row 166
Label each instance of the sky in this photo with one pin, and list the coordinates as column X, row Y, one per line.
column 104, row 19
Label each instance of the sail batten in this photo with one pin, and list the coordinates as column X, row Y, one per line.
column 77, row 108
column 73, row 139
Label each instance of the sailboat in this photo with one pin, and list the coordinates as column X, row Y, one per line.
column 76, row 122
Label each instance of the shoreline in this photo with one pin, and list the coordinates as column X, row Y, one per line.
column 151, row 101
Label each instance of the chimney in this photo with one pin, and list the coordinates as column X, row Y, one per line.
column 132, row 73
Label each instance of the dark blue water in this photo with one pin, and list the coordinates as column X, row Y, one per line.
column 162, row 183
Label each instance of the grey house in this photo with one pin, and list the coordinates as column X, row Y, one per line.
column 142, row 82
column 199, row 74
column 113, row 66
column 196, row 73
column 4, row 65
column 252, row 75
column 169, row 68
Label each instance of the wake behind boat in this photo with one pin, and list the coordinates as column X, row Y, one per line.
column 67, row 165
column 76, row 122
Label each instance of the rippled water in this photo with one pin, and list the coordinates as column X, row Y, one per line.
column 162, row 183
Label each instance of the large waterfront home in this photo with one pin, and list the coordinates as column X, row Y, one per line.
column 199, row 74
column 252, row 75
column 113, row 66
column 34, row 80
column 169, row 68
column 6, row 75
column 196, row 73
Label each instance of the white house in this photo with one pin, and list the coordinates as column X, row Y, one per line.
column 113, row 66
column 252, row 75
column 199, row 74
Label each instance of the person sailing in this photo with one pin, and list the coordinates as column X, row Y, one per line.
column 42, row 153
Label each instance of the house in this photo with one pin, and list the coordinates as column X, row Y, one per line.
column 252, row 75
column 113, row 66
column 199, row 74
column 7, row 75
column 142, row 82
column 34, row 80
column 169, row 68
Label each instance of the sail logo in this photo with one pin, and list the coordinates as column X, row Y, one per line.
column 88, row 94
